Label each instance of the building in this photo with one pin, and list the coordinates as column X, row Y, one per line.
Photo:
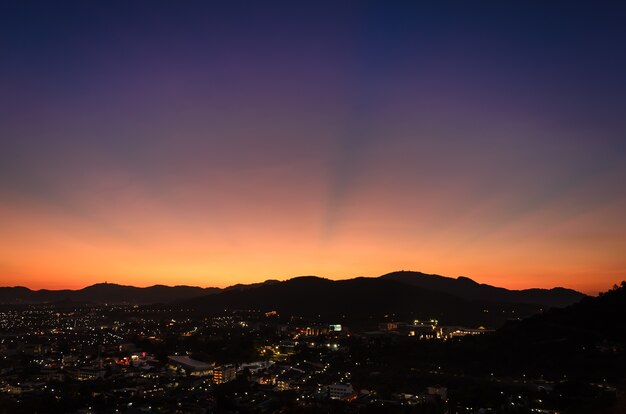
column 340, row 391
column 316, row 330
column 254, row 367
column 456, row 331
column 190, row 366
column 289, row 380
column 421, row 330
column 86, row 374
column 335, row 328
column 388, row 326
column 224, row 373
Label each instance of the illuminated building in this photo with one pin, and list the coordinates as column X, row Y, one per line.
column 86, row 374
column 190, row 366
column 224, row 373
column 340, row 391
column 456, row 331
column 388, row 326
column 316, row 330
column 289, row 380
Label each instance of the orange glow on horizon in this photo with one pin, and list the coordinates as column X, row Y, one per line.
column 147, row 243
column 244, row 225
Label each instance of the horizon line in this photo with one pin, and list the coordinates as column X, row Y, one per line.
column 294, row 277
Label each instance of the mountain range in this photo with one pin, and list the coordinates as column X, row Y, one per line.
column 412, row 294
column 103, row 293
column 467, row 288
column 461, row 287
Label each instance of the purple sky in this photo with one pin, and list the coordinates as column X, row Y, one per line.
column 186, row 142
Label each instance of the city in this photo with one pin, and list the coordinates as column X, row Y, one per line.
column 81, row 358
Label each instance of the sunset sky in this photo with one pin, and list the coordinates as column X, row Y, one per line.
column 190, row 142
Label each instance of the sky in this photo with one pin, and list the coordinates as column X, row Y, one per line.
column 214, row 143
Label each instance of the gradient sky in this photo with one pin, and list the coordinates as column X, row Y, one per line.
column 209, row 144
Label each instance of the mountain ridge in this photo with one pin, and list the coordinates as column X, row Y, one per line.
column 462, row 287
column 103, row 293
column 360, row 301
column 468, row 288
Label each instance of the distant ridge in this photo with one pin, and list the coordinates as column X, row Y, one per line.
column 401, row 295
column 435, row 293
column 104, row 293
column 240, row 286
column 358, row 300
column 467, row 288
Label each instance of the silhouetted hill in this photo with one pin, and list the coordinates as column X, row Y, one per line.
column 586, row 340
column 593, row 318
column 400, row 292
column 466, row 288
column 104, row 293
column 360, row 298
column 241, row 286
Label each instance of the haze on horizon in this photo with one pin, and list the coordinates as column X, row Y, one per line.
column 212, row 144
